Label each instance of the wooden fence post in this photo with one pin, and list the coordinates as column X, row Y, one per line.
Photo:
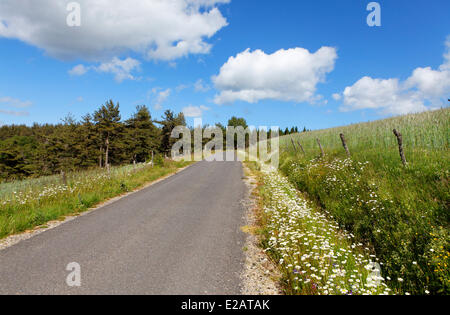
column 301, row 147
column 344, row 143
column 320, row 146
column 293, row 144
column 64, row 178
column 400, row 146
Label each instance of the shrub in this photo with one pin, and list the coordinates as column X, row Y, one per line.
column 158, row 160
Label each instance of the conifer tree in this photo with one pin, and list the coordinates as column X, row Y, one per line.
column 107, row 120
column 142, row 136
column 169, row 122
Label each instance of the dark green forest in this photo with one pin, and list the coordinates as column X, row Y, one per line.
column 99, row 139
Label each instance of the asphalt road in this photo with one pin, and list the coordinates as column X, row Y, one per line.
column 179, row 236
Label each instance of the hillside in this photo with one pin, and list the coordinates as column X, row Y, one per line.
column 402, row 212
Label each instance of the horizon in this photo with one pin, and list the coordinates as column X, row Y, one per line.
column 280, row 128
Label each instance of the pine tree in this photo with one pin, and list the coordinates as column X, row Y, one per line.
column 142, row 136
column 88, row 141
column 169, row 122
column 107, row 120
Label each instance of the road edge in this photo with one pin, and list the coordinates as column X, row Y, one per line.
column 260, row 276
column 15, row 239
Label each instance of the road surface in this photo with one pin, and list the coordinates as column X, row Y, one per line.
column 179, row 236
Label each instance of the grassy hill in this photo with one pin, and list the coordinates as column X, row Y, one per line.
column 402, row 212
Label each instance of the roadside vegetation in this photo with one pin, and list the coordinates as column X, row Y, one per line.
column 400, row 212
column 315, row 256
column 33, row 202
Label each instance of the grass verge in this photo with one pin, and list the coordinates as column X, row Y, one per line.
column 30, row 203
column 315, row 257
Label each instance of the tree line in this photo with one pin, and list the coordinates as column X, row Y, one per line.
column 99, row 139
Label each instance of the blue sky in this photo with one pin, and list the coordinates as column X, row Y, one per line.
column 393, row 69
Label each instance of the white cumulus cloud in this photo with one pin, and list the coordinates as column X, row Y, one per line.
column 431, row 83
column 386, row 95
column 194, row 111
column 286, row 75
column 158, row 29
column 425, row 89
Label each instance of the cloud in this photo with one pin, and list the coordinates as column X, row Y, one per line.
column 433, row 84
column 286, row 75
column 181, row 87
column 9, row 101
column 162, row 97
column 385, row 95
column 157, row 29
column 16, row 103
column 423, row 90
column 200, row 86
column 78, row 70
column 446, row 64
column 121, row 69
column 336, row 96
column 194, row 111
column 14, row 113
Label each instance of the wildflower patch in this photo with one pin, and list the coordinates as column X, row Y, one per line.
column 315, row 256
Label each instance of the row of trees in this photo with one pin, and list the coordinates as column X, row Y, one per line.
column 100, row 139
column 293, row 130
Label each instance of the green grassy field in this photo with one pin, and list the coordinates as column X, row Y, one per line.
column 402, row 213
column 33, row 202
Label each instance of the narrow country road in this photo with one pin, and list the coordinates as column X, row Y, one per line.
column 179, row 236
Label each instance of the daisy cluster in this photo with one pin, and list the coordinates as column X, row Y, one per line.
column 315, row 255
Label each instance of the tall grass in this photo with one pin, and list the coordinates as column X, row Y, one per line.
column 33, row 202
column 425, row 136
column 402, row 212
